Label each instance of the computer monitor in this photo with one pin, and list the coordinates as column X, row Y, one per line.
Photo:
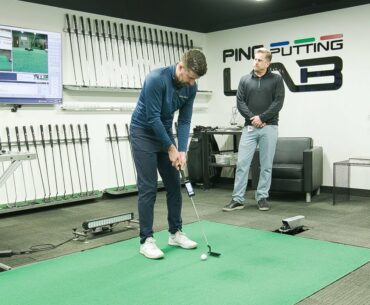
column 30, row 66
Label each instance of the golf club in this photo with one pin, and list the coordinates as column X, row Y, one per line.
column 28, row 149
column 22, row 168
column 53, row 158
column 68, row 158
column 76, row 158
column 89, row 155
column 61, row 160
column 119, row 154
column 6, row 186
column 114, row 158
column 38, row 160
column 46, row 161
column 190, row 191
column 83, row 155
column 10, row 149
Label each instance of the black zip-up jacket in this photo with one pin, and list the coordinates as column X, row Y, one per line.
column 263, row 96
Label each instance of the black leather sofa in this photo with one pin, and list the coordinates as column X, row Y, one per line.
column 297, row 167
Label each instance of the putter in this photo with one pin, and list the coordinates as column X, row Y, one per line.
column 83, row 156
column 89, row 155
column 10, row 149
column 28, row 149
column 46, row 160
column 53, row 157
column 38, row 159
column 119, row 154
column 22, row 168
column 114, row 158
column 75, row 151
column 2, row 165
column 61, row 160
column 190, row 191
column 68, row 158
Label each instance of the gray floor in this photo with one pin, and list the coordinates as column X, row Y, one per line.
column 348, row 222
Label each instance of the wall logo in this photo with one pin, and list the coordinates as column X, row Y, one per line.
column 305, row 46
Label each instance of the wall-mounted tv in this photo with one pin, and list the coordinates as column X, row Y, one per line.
column 30, row 66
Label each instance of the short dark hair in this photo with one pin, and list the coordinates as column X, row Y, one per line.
column 195, row 60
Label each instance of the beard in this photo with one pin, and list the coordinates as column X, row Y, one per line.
column 179, row 83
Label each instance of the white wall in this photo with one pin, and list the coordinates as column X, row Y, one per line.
column 338, row 120
column 41, row 17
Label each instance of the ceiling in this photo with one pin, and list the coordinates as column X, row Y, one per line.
column 202, row 15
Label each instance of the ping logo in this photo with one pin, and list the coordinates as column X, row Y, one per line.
column 297, row 47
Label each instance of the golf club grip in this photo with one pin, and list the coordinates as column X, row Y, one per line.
column 182, row 174
column 68, row 24
column 42, row 136
column 102, row 29
column 75, row 24
column 58, row 135
column 82, row 25
column 182, row 42
column 133, row 33
column 109, row 133
column 87, row 134
column 79, row 133
column 89, row 26
column 72, row 133
column 33, row 137
column 26, row 138
column 97, row 29
column 8, row 137
column 145, row 35
column 115, row 132
column 17, row 137
column 50, row 136
column 109, row 30
column 115, row 30
column 65, row 134
column 139, row 34
column 187, row 41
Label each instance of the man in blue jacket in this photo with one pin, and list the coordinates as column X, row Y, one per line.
column 260, row 97
column 164, row 91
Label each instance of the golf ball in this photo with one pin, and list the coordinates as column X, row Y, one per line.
column 203, row 257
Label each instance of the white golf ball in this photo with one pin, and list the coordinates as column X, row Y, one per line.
column 203, row 257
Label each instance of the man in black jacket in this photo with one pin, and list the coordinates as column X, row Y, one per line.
column 260, row 97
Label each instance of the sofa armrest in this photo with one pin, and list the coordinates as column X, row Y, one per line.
column 255, row 167
column 313, row 168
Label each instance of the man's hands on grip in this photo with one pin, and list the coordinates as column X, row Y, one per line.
column 178, row 159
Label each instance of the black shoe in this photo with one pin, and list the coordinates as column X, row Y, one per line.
column 233, row 205
column 263, row 205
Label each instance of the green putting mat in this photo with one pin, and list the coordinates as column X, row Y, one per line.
column 256, row 267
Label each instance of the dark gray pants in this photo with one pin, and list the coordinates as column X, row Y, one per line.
column 150, row 158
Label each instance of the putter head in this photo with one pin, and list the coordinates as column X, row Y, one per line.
column 211, row 253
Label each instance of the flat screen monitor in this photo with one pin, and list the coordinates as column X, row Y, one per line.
column 30, row 66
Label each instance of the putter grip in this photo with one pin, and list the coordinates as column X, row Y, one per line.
column 87, row 133
column 182, row 174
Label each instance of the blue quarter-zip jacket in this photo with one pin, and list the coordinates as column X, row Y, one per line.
column 159, row 99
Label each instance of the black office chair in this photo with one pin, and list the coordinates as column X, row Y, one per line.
column 297, row 167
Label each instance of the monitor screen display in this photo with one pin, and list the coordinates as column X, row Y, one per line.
column 30, row 66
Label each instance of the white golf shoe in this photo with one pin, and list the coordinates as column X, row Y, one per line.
column 181, row 240
column 150, row 250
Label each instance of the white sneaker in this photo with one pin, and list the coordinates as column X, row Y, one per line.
column 181, row 240
column 150, row 250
